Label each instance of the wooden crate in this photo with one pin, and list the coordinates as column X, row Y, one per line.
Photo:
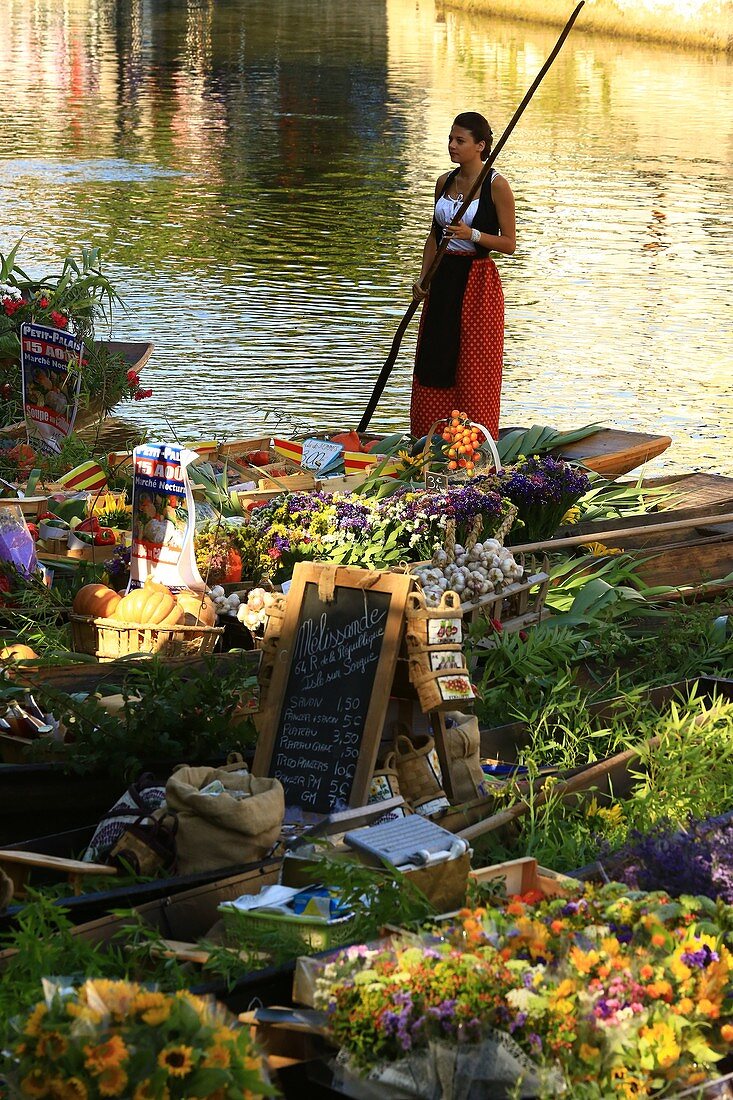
column 522, row 876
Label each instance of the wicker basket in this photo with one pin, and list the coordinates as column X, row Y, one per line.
column 108, row 639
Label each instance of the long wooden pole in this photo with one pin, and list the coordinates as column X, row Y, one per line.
column 599, row 536
column 410, row 312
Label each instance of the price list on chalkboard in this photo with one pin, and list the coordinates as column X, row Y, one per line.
column 334, row 662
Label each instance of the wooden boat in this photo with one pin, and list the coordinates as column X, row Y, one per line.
column 607, row 779
column 46, row 860
column 612, row 453
column 135, row 353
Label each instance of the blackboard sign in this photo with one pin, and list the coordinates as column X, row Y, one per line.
column 322, row 723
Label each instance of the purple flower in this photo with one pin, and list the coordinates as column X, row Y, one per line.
column 701, row 958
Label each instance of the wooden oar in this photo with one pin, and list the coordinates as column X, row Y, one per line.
column 387, row 368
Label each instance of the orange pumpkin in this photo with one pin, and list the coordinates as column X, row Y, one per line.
column 198, row 610
column 17, row 652
column 97, row 600
column 151, row 605
column 350, row 441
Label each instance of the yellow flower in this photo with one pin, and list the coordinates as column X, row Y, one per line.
column 218, row 1057
column 176, row 1060
column 612, row 815
column 35, row 1084
column 584, row 961
column 112, row 1081
column 599, row 549
column 588, row 1053
column 146, row 1091
column 660, row 1042
column 72, row 1089
column 107, row 1055
column 51, row 1045
column 33, row 1023
column 726, row 1033
column 107, row 995
column 571, row 517
column 154, row 1008
column 200, row 1006
column 409, row 460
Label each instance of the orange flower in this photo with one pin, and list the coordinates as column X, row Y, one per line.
column 107, row 1055
column 557, row 926
column 659, row 939
column 51, row 1045
column 112, row 1081
column 588, row 1053
column 646, row 972
column 726, row 1033
column 707, row 1008
column 177, row 1061
column 515, row 908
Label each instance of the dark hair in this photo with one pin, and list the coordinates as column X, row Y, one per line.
column 479, row 128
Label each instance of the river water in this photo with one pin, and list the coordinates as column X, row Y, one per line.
column 259, row 176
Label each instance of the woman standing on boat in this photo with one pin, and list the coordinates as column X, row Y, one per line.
column 461, row 339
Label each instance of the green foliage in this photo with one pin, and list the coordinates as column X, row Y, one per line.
column 190, row 716
column 684, row 768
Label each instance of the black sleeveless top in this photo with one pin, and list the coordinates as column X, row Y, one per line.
column 486, row 220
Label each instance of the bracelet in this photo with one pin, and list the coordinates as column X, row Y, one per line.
column 475, row 236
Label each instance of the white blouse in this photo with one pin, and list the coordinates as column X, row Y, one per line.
column 445, row 212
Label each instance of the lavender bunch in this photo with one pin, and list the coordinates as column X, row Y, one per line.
column 542, row 489
column 697, row 860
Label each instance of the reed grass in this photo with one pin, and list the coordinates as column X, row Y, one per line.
column 670, row 21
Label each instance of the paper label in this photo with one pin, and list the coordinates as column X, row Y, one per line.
column 444, row 630
column 163, row 516
column 443, row 660
column 50, row 368
column 455, row 687
column 321, row 455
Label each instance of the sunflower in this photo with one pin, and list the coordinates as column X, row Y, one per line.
column 112, row 1081
column 51, row 1045
column 35, row 1084
column 146, row 1090
column 71, row 1089
column 409, row 461
column 107, row 1055
column 33, row 1024
column 177, row 1061
column 154, row 1008
column 218, row 1057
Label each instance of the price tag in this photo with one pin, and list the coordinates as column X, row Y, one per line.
column 320, row 454
column 435, row 483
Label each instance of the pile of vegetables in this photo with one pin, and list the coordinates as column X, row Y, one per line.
column 487, row 568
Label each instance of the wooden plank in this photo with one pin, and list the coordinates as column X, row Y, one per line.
column 55, row 863
column 662, row 528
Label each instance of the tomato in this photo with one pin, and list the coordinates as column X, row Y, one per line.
column 33, row 530
column 258, row 458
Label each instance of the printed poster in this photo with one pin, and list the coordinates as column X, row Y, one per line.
column 50, row 360
column 163, row 518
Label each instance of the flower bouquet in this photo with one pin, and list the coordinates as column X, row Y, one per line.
column 74, row 299
column 117, row 1038
column 542, row 490
column 624, row 994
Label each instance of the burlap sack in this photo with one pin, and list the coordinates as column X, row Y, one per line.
column 462, row 746
column 220, row 830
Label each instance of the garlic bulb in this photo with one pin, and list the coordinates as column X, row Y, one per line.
column 487, row 569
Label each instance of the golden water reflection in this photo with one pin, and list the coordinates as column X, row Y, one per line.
column 259, row 176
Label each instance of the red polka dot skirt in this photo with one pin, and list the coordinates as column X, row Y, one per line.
column 477, row 390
